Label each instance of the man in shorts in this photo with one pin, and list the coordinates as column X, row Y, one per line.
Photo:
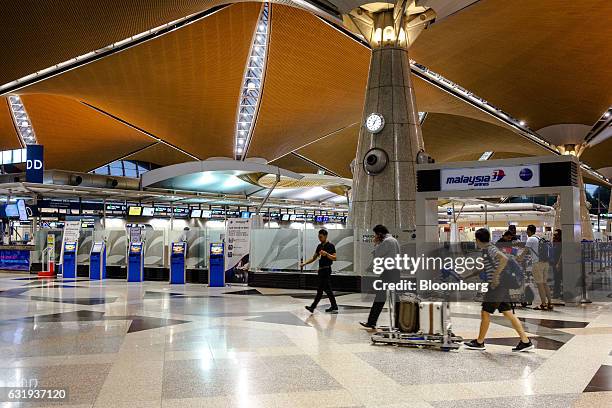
column 539, row 268
column 496, row 298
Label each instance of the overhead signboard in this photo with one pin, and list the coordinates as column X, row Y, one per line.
column 483, row 178
column 35, row 164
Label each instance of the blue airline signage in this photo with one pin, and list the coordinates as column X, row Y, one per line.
column 481, row 178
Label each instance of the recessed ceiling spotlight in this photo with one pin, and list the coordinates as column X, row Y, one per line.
column 522, row 123
column 607, row 115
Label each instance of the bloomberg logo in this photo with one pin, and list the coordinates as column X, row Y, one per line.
column 478, row 180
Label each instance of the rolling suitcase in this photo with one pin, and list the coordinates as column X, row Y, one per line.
column 408, row 316
column 432, row 317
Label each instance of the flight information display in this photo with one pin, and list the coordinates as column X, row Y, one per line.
column 148, row 211
column 137, row 211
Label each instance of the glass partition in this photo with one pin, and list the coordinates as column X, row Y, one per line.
column 116, row 247
column 197, row 249
column 85, row 243
column 275, row 250
column 40, row 243
column 154, row 248
column 342, row 240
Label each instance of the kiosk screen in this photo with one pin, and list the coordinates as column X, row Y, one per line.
column 178, row 248
column 136, row 247
column 97, row 247
column 216, row 249
column 69, row 246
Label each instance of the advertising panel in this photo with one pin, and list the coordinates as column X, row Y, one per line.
column 14, row 260
column 237, row 244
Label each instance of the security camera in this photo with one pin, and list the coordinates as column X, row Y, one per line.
column 375, row 161
column 422, row 157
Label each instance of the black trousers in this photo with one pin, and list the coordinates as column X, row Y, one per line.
column 381, row 297
column 325, row 286
column 377, row 307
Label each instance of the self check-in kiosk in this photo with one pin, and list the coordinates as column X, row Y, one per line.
column 177, row 262
column 216, row 266
column 97, row 261
column 69, row 260
column 135, row 267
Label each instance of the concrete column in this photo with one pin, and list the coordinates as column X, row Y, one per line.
column 388, row 197
column 571, row 229
column 609, row 223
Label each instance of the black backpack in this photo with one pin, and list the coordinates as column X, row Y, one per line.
column 545, row 252
column 512, row 276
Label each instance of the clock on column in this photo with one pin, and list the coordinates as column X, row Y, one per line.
column 375, row 122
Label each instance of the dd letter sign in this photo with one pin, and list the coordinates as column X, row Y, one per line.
column 35, row 164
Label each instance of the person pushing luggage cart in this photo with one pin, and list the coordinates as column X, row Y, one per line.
column 386, row 247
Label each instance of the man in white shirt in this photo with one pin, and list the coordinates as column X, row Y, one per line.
column 386, row 247
column 539, row 267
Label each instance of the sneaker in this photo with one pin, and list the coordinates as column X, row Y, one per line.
column 524, row 346
column 333, row 310
column 474, row 345
column 367, row 325
column 309, row 308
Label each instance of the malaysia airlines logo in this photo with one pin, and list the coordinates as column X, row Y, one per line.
column 478, row 181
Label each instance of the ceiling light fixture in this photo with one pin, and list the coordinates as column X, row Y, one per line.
column 21, row 120
column 252, row 83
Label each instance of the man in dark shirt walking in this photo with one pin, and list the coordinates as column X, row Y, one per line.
column 326, row 251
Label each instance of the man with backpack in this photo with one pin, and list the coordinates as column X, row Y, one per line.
column 539, row 250
column 501, row 275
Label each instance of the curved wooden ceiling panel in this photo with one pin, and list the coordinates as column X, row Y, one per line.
column 545, row 61
column 295, row 163
column 8, row 135
column 65, row 29
column 335, row 152
column 449, row 136
column 314, row 85
column 599, row 156
column 182, row 87
column 160, row 154
column 77, row 137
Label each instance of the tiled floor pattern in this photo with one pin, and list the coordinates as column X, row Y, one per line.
column 115, row 344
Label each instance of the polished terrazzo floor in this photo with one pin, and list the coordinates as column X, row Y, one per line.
column 115, row 344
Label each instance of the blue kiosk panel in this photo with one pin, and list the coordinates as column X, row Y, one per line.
column 177, row 262
column 135, row 268
column 97, row 261
column 216, row 266
column 69, row 261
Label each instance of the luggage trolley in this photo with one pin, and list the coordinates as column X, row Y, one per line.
column 445, row 341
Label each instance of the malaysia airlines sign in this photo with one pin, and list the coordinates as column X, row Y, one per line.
column 482, row 178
